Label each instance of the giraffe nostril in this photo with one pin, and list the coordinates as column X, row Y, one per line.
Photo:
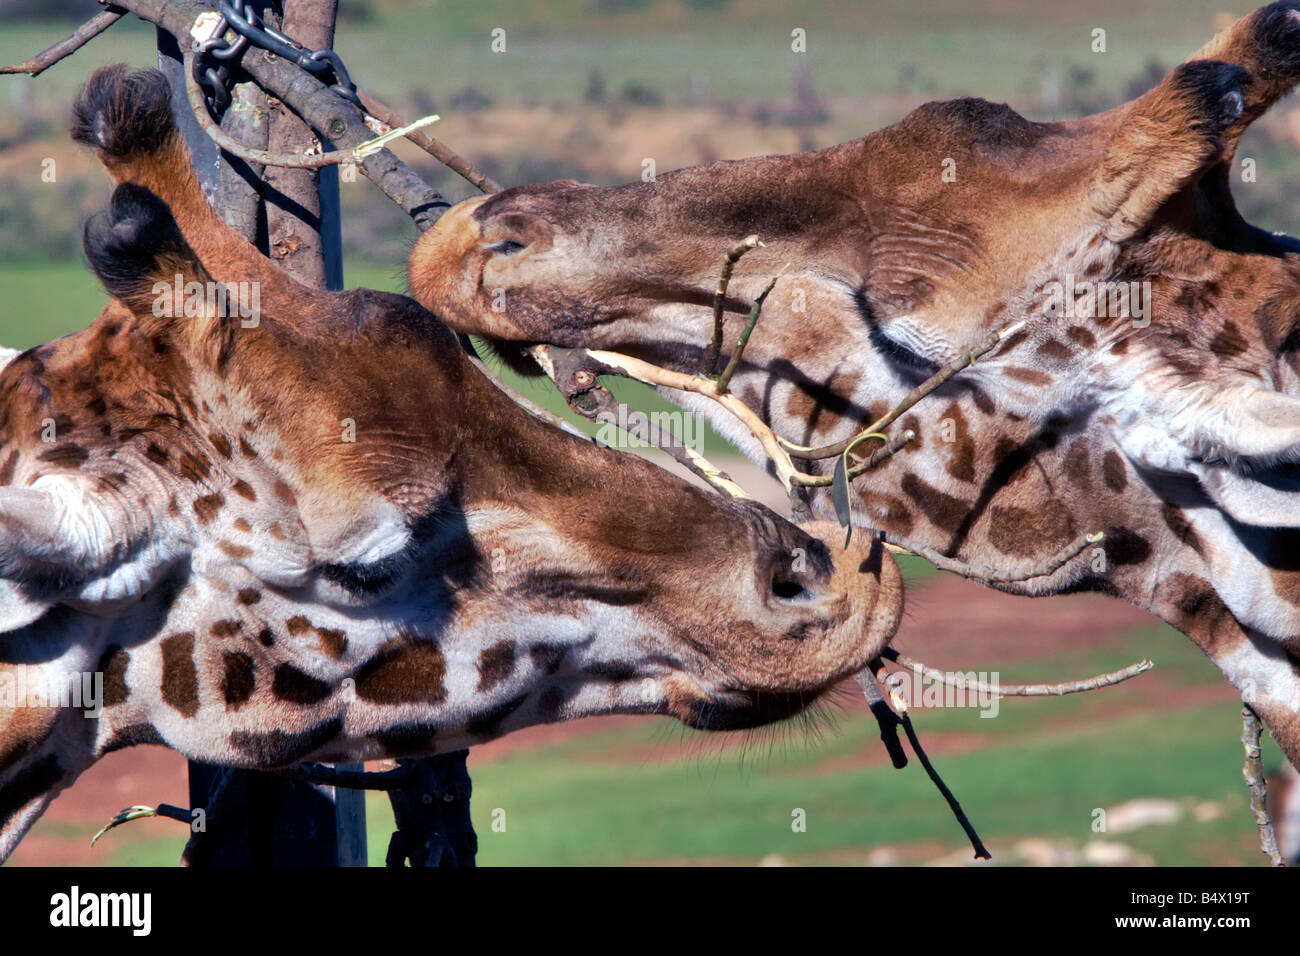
column 788, row 590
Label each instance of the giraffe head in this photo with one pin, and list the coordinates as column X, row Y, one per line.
column 312, row 530
column 1153, row 393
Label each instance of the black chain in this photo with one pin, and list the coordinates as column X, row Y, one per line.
column 215, row 58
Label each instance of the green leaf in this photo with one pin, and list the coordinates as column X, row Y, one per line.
column 840, row 496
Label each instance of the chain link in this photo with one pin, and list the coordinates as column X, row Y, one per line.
column 216, row 57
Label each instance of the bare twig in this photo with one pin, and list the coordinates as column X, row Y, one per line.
column 750, row 321
column 710, row 365
column 887, row 450
column 899, row 705
column 1018, row 690
column 964, row 361
column 886, row 718
column 577, row 383
column 262, row 157
column 527, row 404
column 1253, row 771
column 981, row 852
column 988, row 575
column 435, row 148
column 69, row 44
column 682, row 382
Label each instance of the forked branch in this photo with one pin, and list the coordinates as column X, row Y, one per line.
column 710, row 365
column 945, row 374
column 69, row 44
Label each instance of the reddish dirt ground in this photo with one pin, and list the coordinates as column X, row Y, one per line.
column 949, row 623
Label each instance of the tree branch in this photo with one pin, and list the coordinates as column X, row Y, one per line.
column 710, row 365
column 1253, row 772
column 962, row 362
column 435, row 148
column 975, row 572
column 1018, row 690
column 69, row 44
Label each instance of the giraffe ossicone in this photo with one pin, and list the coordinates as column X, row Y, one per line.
column 183, row 519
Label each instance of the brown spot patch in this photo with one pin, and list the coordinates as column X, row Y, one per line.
column 404, row 673
column 221, row 443
column 248, row 596
column 1024, row 532
column 180, row 678
column 194, row 467
column 961, row 457
column 66, row 455
column 547, row 658
column 496, row 664
column 284, row 493
column 1053, row 349
column 982, row 401
column 333, row 643
column 941, row 509
column 296, row 687
column 244, row 490
column 226, row 628
column 208, row 507
column 241, row 525
column 1113, row 471
column 113, row 666
column 1124, row 546
column 1081, row 336
column 278, row 748
column 1176, row 521
column 155, row 454
column 235, row 551
column 237, row 680
column 1229, row 342
column 1077, row 463
column 9, row 467
column 887, row 512
column 1120, row 347
column 1029, row 376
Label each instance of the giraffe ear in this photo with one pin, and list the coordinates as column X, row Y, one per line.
column 33, row 568
column 1246, row 424
column 1267, row 499
column 52, row 542
column 1240, row 441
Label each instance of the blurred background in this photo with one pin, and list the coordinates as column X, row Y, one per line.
column 591, row 89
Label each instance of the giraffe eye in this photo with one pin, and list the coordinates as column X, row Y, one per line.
column 366, row 580
column 506, row 247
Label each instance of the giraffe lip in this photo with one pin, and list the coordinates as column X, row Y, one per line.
column 743, row 709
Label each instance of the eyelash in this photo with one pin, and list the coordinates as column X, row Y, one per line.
column 365, row 580
column 506, row 247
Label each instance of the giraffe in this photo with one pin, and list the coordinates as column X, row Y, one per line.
column 318, row 533
column 1153, row 393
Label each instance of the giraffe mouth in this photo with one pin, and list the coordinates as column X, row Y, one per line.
column 744, row 710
